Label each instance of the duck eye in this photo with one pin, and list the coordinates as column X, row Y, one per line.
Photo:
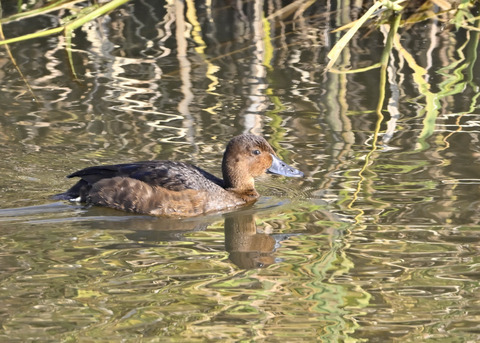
column 256, row 152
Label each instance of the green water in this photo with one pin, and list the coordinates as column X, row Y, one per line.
column 378, row 243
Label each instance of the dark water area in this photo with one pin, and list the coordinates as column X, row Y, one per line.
column 379, row 242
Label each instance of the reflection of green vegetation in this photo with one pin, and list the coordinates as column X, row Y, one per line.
column 381, row 13
column 69, row 24
column 393, row 19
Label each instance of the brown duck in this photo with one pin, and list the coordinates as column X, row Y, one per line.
column 177, row 189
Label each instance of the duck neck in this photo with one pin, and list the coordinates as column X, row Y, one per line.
column 237, row 180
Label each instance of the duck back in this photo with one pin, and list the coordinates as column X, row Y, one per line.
column 159, row 188
column 175, row 176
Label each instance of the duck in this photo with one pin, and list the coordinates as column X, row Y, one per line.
column 178, row 189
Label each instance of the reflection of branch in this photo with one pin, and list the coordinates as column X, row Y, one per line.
column 454, row 84
column 432, row 101
column 340, row 45
column 393, row 101
column 56, row 6
column 383, row 82
column 67, row 28
column 299, row 6
column 185, row 69
column 83, row 20
column 470, row 60
column 7, row 48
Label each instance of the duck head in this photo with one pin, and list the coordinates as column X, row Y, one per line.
column 248, row 156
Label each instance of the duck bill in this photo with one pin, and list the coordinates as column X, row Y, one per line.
column 281, row 168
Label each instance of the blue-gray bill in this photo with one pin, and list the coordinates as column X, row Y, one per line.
column 281, row 168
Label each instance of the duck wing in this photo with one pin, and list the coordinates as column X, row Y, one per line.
column 175, row 176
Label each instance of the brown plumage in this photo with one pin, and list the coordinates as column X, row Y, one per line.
column 176, row 189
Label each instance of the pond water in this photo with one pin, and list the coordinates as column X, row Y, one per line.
column 378, row 242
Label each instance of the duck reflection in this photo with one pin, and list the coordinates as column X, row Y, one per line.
column 247, row 247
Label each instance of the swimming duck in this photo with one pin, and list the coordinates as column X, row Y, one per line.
column 177, row 189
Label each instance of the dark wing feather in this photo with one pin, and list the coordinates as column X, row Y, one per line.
column 175, row 176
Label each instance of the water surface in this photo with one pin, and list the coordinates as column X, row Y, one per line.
column 379, row 242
